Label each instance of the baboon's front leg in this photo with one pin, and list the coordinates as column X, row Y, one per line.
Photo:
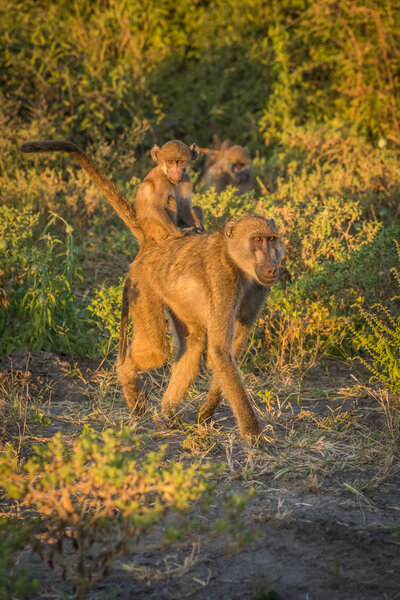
column 227, row 373
column 214, row 395
column 247, row 314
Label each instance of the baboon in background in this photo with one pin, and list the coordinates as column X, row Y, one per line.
column 229, row 165
column 163, row 205
column 212, row 287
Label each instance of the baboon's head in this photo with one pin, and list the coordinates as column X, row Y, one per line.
column 173, row 157
column 253, row 244
column 238, row 163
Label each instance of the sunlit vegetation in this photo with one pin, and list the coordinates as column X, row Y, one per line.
column 312, row 88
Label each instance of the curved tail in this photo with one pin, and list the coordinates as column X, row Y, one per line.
column 119, row 203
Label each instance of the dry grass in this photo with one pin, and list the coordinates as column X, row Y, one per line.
column 311, row 428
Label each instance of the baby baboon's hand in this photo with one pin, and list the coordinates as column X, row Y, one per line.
column 195, row 229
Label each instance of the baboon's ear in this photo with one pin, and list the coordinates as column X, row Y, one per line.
column 230, row 228
column 213, row 156
column 194, row 152
column 225, row 145
column 154, row 152
column 272, row 223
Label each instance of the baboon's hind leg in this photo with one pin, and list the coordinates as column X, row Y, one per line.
column 149, row 347
column 185, row 367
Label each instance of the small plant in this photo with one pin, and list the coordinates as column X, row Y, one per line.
column 269, row 398
column 14, row 582
column 265, row 593
column 98, row 496
column 221, row 207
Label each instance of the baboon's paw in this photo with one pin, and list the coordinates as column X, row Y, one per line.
column 205, row 413
column 135, row 398
column 251, row 433
column 140, row 407
column 171, row 419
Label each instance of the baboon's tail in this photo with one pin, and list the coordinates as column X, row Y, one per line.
column 120, row 204
column 123, row 329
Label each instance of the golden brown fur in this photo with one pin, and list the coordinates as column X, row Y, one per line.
column 163, row 205
column 212, row 287
column 229, row 165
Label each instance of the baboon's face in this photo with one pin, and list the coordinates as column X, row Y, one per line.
column 174, row 169
column 255, row 247
column 173, row 158
column 239, row 164
column 266, row 265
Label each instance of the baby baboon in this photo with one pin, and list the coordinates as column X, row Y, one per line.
column 229, row 165
column 212, row 287
column 163, row 204
column 164, row 198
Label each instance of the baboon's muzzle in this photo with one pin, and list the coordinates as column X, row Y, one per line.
column 267, row 276
column 242, row 176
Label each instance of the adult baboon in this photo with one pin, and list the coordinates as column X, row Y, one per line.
column 163, row 205
column 212, row 286
column 229, row 165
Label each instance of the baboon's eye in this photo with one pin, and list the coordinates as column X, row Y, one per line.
column 181, row 163
column 258, row 238
column 271, row 239
column 170, row 162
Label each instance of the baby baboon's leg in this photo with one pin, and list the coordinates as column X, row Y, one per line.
column 149, row 347
column 185, row 367
column 198, row 216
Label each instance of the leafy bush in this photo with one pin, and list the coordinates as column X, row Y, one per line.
column 380, row 339
column 166, row 63
column 38, row 306
column 101, row 496
column 105, row 312
column 311, row 317
column 326, row 161
column 219, row 208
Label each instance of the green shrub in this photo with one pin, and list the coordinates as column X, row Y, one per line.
column 101, row 496
column 38, row 307
column 105, row 314
column 220, row 208
column 380, row 339
column 311, row 317
column 177, row 65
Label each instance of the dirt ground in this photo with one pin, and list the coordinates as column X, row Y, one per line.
column 327, row 502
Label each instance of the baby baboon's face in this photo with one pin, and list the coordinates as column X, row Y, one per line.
column 173, row 158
